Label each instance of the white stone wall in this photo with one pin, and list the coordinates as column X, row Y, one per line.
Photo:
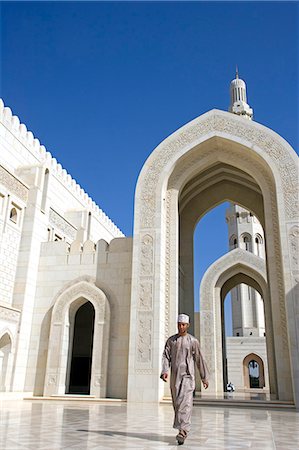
column 50, row 206
column 9, row 246
column 237, row 348
column 60, row 266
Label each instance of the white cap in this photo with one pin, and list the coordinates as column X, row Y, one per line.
column 183, row 318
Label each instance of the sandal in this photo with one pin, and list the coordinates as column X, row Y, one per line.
column 181, row 437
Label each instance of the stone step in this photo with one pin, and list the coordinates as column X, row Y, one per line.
column 77, row 398
column 240, row 403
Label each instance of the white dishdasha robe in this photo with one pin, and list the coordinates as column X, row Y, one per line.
column 181, row 353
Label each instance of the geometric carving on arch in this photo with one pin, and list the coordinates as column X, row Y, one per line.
column 79, row 288
column 229, row 266
column 276, row 152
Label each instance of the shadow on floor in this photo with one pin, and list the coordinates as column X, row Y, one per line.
column 145, row 436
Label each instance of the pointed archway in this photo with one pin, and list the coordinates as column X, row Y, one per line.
column 61, row 337
column 254, row 372
column 5, row 361
column 216, row 157
column 237, row 266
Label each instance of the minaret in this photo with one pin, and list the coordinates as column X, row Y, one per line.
column 246, row 232
column 238, row 98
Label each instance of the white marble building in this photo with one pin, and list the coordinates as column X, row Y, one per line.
column 76, row 293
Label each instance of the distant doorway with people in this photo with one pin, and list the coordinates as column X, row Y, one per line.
column 254, row 372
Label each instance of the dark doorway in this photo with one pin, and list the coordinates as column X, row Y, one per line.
column 81, row 361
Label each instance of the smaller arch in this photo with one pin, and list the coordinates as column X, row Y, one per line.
column 258, row 238
column 233, row 242
column 5, row 339
column 8, row 332
column 246, row 242
column 66, row 304
column 13, row 215
column 259, row 243
column 237, row 266
column 5, row 361
column 260, row 379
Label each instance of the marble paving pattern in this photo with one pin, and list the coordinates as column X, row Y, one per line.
column 54, row 425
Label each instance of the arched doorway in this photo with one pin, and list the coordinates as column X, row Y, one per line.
column 254, row 372
column 237, row 266
column 216, row 157
column 80, row 350
column 65, row 352
column 5, row 362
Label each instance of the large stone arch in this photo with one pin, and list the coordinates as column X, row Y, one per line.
column 56, row 371
column 236, row 267
column 255, row 168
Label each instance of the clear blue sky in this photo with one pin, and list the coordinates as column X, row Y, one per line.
column 101, row 84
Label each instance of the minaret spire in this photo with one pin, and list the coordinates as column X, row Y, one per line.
column 238, row 98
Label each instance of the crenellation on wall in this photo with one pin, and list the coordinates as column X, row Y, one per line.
column 57, row 272
column 37, row 154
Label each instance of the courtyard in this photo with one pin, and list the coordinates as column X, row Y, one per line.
column 54, row 425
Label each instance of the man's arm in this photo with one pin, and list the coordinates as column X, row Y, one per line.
column 166, row 361
column 201, row 365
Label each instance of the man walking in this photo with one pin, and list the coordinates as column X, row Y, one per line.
column 181, row 353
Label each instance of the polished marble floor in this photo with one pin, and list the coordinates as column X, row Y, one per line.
column 53, row 425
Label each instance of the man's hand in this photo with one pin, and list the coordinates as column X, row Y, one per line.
column 164, row 377
column 205, row 384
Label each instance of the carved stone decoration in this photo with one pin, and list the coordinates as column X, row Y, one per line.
column 144, row 338
column 162, row 155
column 82, row 289
column 52, row 380
column 294, row 247
column 207, row 336
column 146, row 296
column 167, row 263
column 147, row 254
column 98, row 380
column 274, row 149
column 62, row 225
column 144, row 371
column 9, row 314
column 217, row 123
column 13, row 185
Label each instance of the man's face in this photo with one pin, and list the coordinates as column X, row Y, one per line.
column 183, row 328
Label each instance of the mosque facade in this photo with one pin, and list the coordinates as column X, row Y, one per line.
column 85, row 310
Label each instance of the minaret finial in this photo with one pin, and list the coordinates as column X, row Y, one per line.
column 238, row 98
